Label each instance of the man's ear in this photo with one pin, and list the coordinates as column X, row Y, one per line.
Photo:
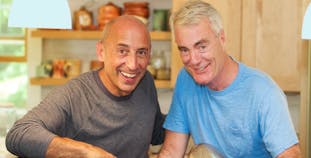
column 100, row 51
column 222, row 36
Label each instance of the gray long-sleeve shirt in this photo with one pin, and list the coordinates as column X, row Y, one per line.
column 84, row 110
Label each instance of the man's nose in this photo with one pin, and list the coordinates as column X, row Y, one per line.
column 195, row 57
column 131, row 61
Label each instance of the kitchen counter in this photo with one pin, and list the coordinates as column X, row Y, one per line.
column 3, row 152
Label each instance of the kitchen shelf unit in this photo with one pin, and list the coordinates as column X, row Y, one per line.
column 86, row 35
column 72, row 34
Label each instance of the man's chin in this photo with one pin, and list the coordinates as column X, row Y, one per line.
column 200, row 80
column 128, row 89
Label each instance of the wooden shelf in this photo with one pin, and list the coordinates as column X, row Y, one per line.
column 163, row 83
column 73, row 34
column 48, row 81
column 53, row 82
column 86, row 35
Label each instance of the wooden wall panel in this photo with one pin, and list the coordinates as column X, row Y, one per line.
column 305, row 95
column 231, row 12
column 176, row 61
column 271, row 39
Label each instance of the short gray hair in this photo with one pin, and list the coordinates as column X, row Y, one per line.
column 193, row 11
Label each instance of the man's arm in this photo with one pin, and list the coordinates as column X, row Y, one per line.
column 175, row 145
column 292, row 152
column 65, row 147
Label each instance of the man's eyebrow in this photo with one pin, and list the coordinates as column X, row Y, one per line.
column 140, row 49
column 181, row 47
column 122, row 45
column 127, row 46
column 200, row 42
column 195, row 44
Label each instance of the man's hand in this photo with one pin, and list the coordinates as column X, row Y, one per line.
column 174, row 145
column 67, row 148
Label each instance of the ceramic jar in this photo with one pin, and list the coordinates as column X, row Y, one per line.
column 137, row 8
column 106, row 13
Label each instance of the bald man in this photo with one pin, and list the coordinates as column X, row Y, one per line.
column 106, row 113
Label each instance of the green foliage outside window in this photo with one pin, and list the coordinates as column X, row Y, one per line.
column 13, row 75
column 12, row 48
column 4, row 15
column 13, row 83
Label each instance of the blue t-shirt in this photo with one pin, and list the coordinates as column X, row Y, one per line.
column 249, row 118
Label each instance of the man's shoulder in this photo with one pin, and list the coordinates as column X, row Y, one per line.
column 259, row 82
column 90, row 75
column 85, row 79
column 257, row 76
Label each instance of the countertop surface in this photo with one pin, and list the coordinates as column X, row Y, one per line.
column 3, row 152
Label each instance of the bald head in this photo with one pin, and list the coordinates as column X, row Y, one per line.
column 125, row 22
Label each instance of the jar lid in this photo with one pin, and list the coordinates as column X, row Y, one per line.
column 136, row 4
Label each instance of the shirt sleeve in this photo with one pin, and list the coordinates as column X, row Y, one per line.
column 158, row 133
column 176, row 120
column 31, row 135
column 275, row 123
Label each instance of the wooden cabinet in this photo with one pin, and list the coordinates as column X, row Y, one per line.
column 85, row 35
column 271, row 39
column 96, row 35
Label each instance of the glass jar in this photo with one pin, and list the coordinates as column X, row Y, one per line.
column 158, row 60
column 160, row 20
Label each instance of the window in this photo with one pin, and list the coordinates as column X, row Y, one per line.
column 13, row 66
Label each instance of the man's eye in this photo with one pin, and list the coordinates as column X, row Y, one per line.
column 142, row 52
column 202, row 47
column 122, row 51
column 184, row 51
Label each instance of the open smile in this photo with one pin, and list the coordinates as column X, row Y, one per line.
column 201, row 69
column 128, row 75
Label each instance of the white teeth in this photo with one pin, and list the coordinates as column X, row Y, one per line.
column 201, row 68
column 128, row 75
